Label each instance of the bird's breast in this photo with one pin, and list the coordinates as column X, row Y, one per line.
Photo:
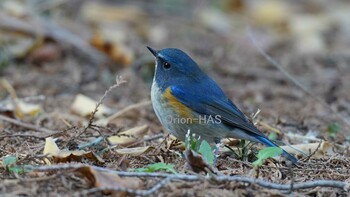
column 166, row 105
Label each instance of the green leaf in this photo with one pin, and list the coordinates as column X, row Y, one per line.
column 158, row 167
column 21, row 169
column 16, row 170
column 206, row 151
column 267, row 153
column 9, row 160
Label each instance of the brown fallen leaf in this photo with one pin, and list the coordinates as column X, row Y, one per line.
column 128, row 136
column 102, row 179
column 64, row 156
column 111, row 46
column 197, row 163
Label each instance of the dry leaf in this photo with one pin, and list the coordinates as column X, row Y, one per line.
column 136, row 151
column 20, row 109
column 129, row 136
column 84, row 106
column 325, row 149
column 29, row 109
column 197, row 163
column 77, row 155
column 51, row 149
column 104, row 180
column 111, row 42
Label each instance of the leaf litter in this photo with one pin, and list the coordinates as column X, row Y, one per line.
column 67, row 67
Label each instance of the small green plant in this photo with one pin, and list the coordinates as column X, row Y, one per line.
column 200, row 146
column 333, row 129
column 245, row 151
column 156, row 167
column 9, row 163
column 191, row 142
column 267, row 153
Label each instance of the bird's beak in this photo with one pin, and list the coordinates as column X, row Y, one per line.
column 153, row 51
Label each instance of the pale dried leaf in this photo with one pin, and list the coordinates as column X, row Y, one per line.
column 29, row 109
column 84, row 106
column 325, row 149
column 50, row 148
column 136, row 151
column 129, row 136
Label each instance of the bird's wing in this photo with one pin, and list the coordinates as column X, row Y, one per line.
column 215, row 104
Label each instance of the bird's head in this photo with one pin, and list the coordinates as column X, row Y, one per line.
column 174, row 66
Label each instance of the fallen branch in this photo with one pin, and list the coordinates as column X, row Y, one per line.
column 119, row 81
column 26, row 125
column 51, row 30
column 295, row 81
column 185, row 177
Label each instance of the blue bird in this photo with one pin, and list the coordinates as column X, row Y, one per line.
column 185, row 98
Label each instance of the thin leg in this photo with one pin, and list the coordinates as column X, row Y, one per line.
column 217, row 144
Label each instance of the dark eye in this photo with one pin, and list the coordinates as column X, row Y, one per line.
column 166, row 65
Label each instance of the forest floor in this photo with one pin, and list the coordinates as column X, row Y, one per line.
column 56, row 55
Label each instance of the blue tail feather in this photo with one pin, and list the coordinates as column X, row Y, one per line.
column 269, row 143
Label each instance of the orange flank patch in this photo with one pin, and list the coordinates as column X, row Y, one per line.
column 179, row 108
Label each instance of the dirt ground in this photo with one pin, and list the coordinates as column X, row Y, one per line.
column 52, row 51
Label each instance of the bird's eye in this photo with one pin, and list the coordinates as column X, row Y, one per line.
column 166, row 65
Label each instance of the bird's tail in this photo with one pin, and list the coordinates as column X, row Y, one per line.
column 269, row 143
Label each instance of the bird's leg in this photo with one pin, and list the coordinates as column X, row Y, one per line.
column 216, row 154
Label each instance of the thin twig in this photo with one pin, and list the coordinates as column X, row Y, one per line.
column 221, row 178
column 119, row 81
column 308, row 157
column 26, row 125
column 293, row 80
column 21, row 135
